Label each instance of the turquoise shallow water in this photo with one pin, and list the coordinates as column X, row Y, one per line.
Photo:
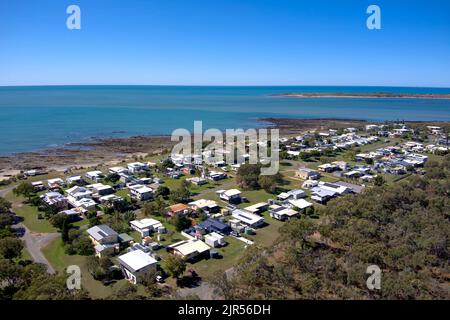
column 34, row 118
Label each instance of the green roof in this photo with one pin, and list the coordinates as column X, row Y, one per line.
column 123, row 237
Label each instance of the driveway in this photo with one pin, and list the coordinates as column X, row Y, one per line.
column 34, row 242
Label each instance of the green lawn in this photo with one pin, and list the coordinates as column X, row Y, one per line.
column 267, row 235
column 211, row 268
column 30, row 215
column 55, row 254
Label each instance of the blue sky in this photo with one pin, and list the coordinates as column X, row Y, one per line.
column 225, row 42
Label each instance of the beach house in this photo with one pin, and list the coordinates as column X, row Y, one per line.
column 140, row 192
column 137, row 167
column 136, row 265
column 248, row 218
column 307, row 174
column 192, row 249
column 146, row 226
column 231, row 196
column 94, row 175
column 104, row 239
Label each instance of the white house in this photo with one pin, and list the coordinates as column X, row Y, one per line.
column 248, row 218
column 140, row 192
column 146, row 226
column 136, row 167
column 292, row 194
column 231, row 196
column 55, row 183
column 307, row 174
column 300, row 204
column 136, row 265
column 100, row 189
column 190, row 249
column 55, row 199
column 94, row 175
column 38, row 185
column 214, row 240
column 282, row 213
column 74, row 180
column 207, row 206
column 118, row 170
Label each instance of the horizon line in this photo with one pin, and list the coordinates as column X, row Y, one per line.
column 221, row 85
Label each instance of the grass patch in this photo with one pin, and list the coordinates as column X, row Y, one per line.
column 29, row 215
column 211, row 268
column 55, row 254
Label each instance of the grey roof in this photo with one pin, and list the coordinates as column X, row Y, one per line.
column 101, row 231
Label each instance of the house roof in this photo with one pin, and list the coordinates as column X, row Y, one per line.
column 101, row 231
column 283, row 211
column 216, row 224
column 178, row 207
column 246, row 216
column 202, row 203
column 146, row 223
column 256, row 207
column 300, row 203
column 136, row 260
column 188, row 247
column 232, row 192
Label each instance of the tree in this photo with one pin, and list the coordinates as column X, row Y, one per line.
column 24, row 189
column 162, row 191
column 247, row 176
column 59, row 220
column 269, row 183
column 403, row 228
column 174, row 266
column 10, row 247
column 182, row 194
column 379, row 180
column 181, row 222
column 149, row 282
column 112, row 177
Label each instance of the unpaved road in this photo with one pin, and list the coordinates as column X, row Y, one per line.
column 34, row 242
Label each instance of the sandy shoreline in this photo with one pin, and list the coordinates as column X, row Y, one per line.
column 115, row 150
column 86, row 154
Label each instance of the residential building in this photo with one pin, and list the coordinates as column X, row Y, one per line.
column 282, row 213
column 214, row 240
column 146, row 226
column 137, row 167
column 55, row 199
column 94, row 175
column 214, row 225
column 248, row 218
column 192, row 249
column 207, row 206
column 56, row 183
column 105, row 239
column 140, row 192
column 179, row 209
column 292, row 194
column 74, row 180
column 257, row 208
column 307, row 174
column 231, row 196
column 299, row 204
column 38, row 185
column 136, row 265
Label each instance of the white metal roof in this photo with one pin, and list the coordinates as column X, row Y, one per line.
column 136, row 260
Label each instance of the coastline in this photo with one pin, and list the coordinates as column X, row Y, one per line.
column 85, row 154
column 112, row 151
column 362, row 96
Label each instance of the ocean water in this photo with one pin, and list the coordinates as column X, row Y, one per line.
column 36, row 118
